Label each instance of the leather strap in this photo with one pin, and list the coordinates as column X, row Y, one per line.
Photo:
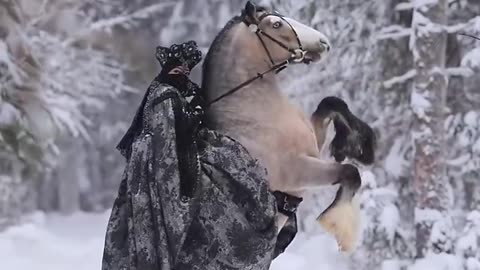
column 276, row 67
column 287, row 204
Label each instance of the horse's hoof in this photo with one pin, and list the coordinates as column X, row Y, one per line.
column 342, row 220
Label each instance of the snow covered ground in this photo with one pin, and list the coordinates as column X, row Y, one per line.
column 55, row 242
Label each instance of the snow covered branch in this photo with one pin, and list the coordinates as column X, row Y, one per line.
column 459, row 72
column 394, row 32
column 400, row 79
column 471, row 59
column 414, row 4
column 474, row 23
column 48, row 87
column 128, row 19
column 453, row 71
column 427, row 215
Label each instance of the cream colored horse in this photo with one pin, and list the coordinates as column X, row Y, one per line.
column 259, row 116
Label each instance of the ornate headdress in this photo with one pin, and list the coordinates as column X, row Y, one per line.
column 185, row 54
column 178, row 57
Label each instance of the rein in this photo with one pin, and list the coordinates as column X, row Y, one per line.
column 297, row 55
column 249, row 81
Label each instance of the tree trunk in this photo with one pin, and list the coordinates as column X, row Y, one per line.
column 68, row 177
column 428, row 44
column 10, row 193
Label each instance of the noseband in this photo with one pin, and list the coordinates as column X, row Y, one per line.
column 297, row 55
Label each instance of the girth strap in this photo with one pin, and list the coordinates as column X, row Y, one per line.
column 287, row 204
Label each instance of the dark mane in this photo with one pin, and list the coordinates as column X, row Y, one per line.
column 215, row 46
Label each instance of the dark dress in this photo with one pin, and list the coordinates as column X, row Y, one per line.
column 190, row 198
column 229, row 223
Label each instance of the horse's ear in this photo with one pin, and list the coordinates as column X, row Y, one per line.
column 250, row 12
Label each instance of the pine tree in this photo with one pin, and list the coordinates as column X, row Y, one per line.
column 428, row 45
column 47, row 84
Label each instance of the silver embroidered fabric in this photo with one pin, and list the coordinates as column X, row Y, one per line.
column 229, row 223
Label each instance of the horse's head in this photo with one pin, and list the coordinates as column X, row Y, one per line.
column 284, row 36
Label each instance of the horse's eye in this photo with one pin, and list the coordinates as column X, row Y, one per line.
column 277, row 25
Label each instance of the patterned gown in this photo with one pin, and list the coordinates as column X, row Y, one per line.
column 189, row 199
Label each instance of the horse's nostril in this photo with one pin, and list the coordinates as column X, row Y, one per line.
column 325, row 45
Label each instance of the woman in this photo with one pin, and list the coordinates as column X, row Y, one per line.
column 190, row 198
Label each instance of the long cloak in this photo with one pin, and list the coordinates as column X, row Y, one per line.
column 228, row 223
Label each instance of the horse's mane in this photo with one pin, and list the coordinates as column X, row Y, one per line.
column 217, row 42
column 215, row 47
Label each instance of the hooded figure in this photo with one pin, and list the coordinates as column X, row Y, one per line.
column 190, row 198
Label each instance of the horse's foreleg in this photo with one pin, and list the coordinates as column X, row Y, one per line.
column 306, row 172
column 342, row 217
column 310, row 172
column 354, row 139
column 313, row 172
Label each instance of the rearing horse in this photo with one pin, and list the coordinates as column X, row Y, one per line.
column 259, row 116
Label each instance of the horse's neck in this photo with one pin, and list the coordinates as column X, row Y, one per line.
column 235, row 64
column 253, row 103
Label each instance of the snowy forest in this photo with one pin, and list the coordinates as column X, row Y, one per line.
column 72, row 74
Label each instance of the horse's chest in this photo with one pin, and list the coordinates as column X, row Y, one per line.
column 296, row 136
column 269, row 133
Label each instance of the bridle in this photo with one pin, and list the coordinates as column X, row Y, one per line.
column 297, row 55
